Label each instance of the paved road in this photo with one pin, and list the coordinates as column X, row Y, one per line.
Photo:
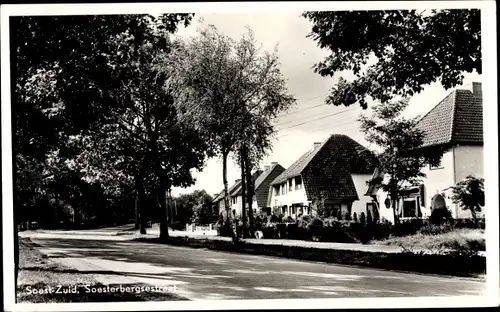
column 204, row 274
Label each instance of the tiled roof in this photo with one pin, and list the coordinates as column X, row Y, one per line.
column 231, row 190
column 296, row 168
column 327, row 169
column 262, row 184
column 264, row 175
column 457, row 119
column 237, row 190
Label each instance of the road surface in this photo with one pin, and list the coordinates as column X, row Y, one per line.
column 204, row 274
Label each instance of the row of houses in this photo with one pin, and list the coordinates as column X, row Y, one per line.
column 336, row 171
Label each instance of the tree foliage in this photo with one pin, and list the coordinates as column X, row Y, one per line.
column 395, row 53
column 469, row 195
column 400, row 140
column 228, row 89
column 87, row 92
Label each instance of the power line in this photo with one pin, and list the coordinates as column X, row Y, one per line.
column 323, row 128
column 316, row 119
column 306, row 108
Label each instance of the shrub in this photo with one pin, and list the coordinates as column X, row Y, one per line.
column 339, row 214
column 439, row 216
column 288, row 219
column 355, row 217
column 275, row 218
column 315, row 228
column 348, row 216
column 225, row 228
column 362, row 218
column 376, row 215
column 260, row 219
column 369, row 217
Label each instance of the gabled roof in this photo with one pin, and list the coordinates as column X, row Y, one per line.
column 457, row 119
column 231, row 190
column 327, row 169
column 298, row 166
column 265, row 174
column 237, row 190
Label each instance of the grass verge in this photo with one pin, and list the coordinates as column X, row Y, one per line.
column 459, row 239
column 453, row 264
column 42, row 280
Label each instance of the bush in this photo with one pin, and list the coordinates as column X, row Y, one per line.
column 362, row 218
column 315, row 228
column 260, row 219
column 369, row 217
column 433, row 229
column 288, row 219
column 355, row 217
column 225, row 228
column 440, row 216
column 347, row 216
column 275, row 218
column 469, row 223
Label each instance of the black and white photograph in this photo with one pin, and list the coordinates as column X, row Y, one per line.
column 215, row 156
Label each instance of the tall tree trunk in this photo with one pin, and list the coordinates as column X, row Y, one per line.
column 163, row 211
column 226, row 187
column 141, row 205
column 243, row 191
column 136, row 206
column 16, row 249
column 250, row 193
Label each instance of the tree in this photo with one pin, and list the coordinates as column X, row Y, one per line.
column 224, row 87
column 62, row 83
column 395, row 53
column 399, row 140
column 469, row 195
column 318, row 206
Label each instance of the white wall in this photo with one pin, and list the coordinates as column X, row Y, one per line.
column 236, row 206
column 437, row 180
column 290, row 197
column 359, row 206
column 468, row 161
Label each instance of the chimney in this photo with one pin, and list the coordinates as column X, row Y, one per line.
column 238, row 180
column 317, row 144
column 266, row 168
column 273, row 163
column 477, row 89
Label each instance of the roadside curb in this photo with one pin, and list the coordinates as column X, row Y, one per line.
column 444, row 265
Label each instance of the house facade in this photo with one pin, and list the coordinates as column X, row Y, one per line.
column 455, row 124
column 262, row 179
column 334, row 172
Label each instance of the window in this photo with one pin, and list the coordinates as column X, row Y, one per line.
column 283, row 189
column 234, row 200
column 276, row 190
column 298, row 183
column 290, row 185
column 409, row 208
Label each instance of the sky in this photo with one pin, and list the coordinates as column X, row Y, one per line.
column 298, row 130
